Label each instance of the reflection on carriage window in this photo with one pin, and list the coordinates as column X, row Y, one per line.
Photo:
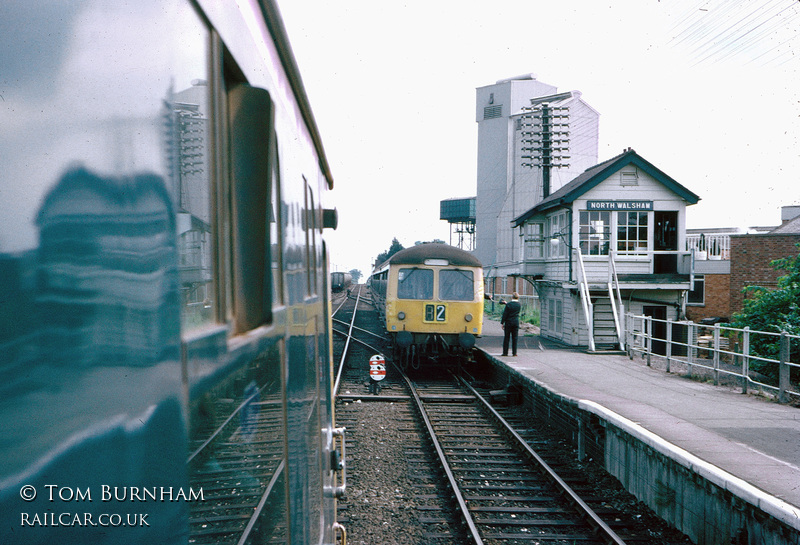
column 456, row 285
column 186, row 157
column 415, row 284
column 105, row 273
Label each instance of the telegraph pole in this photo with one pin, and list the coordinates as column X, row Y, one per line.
column 547, row 149
column 546, row 140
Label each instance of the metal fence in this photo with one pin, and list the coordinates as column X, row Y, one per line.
column 757, row 360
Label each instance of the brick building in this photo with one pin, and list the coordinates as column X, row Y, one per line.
column 715, row 292
column 751, row 256
column 710, row 294
column 728, row 260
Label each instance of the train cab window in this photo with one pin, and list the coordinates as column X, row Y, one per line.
column 415, row 284
column 456, row 285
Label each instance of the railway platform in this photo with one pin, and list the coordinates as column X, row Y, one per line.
column 747, row 444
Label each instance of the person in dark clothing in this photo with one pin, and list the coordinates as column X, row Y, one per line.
column 510, row 324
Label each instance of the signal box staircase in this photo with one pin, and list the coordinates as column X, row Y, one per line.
column 602, row 311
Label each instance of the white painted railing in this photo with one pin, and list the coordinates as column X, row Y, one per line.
column 709, row 246
column 717, row 350
column 586, row 301
column 615, row 295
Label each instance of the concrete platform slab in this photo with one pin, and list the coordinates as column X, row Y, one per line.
column 749, row 437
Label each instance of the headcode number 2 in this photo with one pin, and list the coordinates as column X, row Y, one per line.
column 435, row 313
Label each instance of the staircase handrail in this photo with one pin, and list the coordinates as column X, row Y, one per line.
column 615, row 296
column 586, row 302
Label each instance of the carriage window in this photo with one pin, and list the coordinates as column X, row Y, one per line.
column 310, row 228
column 274, row 227
column 455, row 285
column 186, row 117
column 415, row 284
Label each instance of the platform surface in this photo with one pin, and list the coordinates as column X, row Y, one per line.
column 748, row 436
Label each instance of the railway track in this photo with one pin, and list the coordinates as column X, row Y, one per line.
column 237, row 466
column 356, row 339
column 506, row 493
column 438, row 463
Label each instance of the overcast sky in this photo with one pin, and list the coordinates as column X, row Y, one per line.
column 705, row 90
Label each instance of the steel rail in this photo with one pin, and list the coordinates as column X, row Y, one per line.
column 342, row 322
column 346, row 346
column 591, row 517
column 359, row 341
column 222, row 426
column 251, row 523
column 462, row 504
column 344, row 300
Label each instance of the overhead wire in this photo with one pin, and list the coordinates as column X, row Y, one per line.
column 794, row 16
column 734, row 42
column 706, row 21
column 725, row 27
column 717, row 31
column 689, row 13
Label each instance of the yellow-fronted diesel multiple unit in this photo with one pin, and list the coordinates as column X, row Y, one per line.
column 431, row 299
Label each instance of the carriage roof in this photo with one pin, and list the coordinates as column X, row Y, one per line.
column 416, row 255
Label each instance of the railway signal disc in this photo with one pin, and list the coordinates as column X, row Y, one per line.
column 377, row 367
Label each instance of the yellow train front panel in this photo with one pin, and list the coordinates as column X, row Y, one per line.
column 427, row 305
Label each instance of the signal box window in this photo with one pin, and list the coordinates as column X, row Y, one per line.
column 534, row 241
column 415, row 284
column 632, row 232
column 557, row 226
column 456, row 285
column 595, row 232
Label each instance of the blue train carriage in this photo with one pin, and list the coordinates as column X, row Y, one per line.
column 430, row 297
column 163, row 319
